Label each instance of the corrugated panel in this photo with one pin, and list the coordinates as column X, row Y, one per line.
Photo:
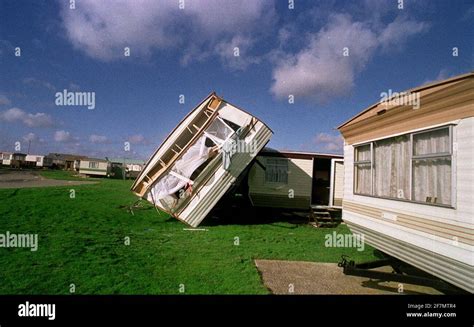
column 454, row 102
column 464, row 159
column 299, row 179
column 452, row 271
column 423, row 224
column 281, row 201
column 203, row 201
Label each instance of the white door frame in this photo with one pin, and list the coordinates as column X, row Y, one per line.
column 332, row 181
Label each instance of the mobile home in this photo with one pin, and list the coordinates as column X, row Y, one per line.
column 296, row 180
column 5, row 158
column 126, row 168
column 201, row 159
column 17, row 160
column 93, row 167
column 33, row 160
column 409, row 178
column 62, row 161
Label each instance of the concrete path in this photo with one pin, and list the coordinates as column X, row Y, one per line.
column 23, row 179
column 285, row 277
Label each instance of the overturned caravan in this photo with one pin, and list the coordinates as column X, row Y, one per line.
column 201, row 159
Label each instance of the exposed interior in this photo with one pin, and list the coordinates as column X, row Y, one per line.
column 187, row 136
column 321, row 181
column 173, row 188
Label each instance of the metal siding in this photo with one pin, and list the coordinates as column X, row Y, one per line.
column 300, row 173
column 464, row 134
column 203, row 202
column 452, row 271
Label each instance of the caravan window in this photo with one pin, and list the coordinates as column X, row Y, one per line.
column 218, row 131
column 93, row 164
column 276, row 170
column 414, row 167
column 432, row 166
column 392, row 167
column 363, row 169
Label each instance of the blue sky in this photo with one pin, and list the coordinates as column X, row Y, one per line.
column 191, row 52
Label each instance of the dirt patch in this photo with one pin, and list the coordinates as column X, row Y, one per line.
column 297, row 277
column 23, row 179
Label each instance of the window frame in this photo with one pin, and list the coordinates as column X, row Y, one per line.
column 217, row 140
column 364, row 162
column 449, row 154
column 287, row 171
column 94, row 165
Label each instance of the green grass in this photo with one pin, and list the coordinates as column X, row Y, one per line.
column 62, row 174
column 81, row 241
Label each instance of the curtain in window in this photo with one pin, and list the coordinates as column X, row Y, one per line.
column 363, row 153
column 432, row 175
column 363, row 179
column 432, row 180
column 363, row 173
column 392, row 167
column 276, row 170
column 436, row 141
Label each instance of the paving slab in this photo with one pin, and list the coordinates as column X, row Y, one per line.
column 299, row 277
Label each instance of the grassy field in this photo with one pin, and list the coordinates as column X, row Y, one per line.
column 62, row 175
column 82, row 242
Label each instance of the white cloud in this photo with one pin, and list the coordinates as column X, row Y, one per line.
column 74, row 87
column 37, row 82
column 234, row 53
column 396, row 34
column 32, row 137
column 103, row 28
column 320, row 71
column 4, row 100
column 39, row 119
column 137, row 139
column 329, row 142
column 98, row 139
column 64, row 137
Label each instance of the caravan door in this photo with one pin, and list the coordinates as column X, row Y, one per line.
column 336, row 189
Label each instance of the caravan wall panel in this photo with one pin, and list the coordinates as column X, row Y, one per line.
column 278, row 195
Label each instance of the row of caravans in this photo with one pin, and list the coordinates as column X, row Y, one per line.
column 405, row 182
column 83, row 165
column 21, row 159
column 117, row 168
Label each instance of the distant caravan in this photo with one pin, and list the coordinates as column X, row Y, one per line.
column 409, row 178
column 201, row 159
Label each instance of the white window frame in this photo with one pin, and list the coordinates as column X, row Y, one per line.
column 94, row 165
column 218, row 141
column 413, row 157
column 364, row 162
column 287, row 171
